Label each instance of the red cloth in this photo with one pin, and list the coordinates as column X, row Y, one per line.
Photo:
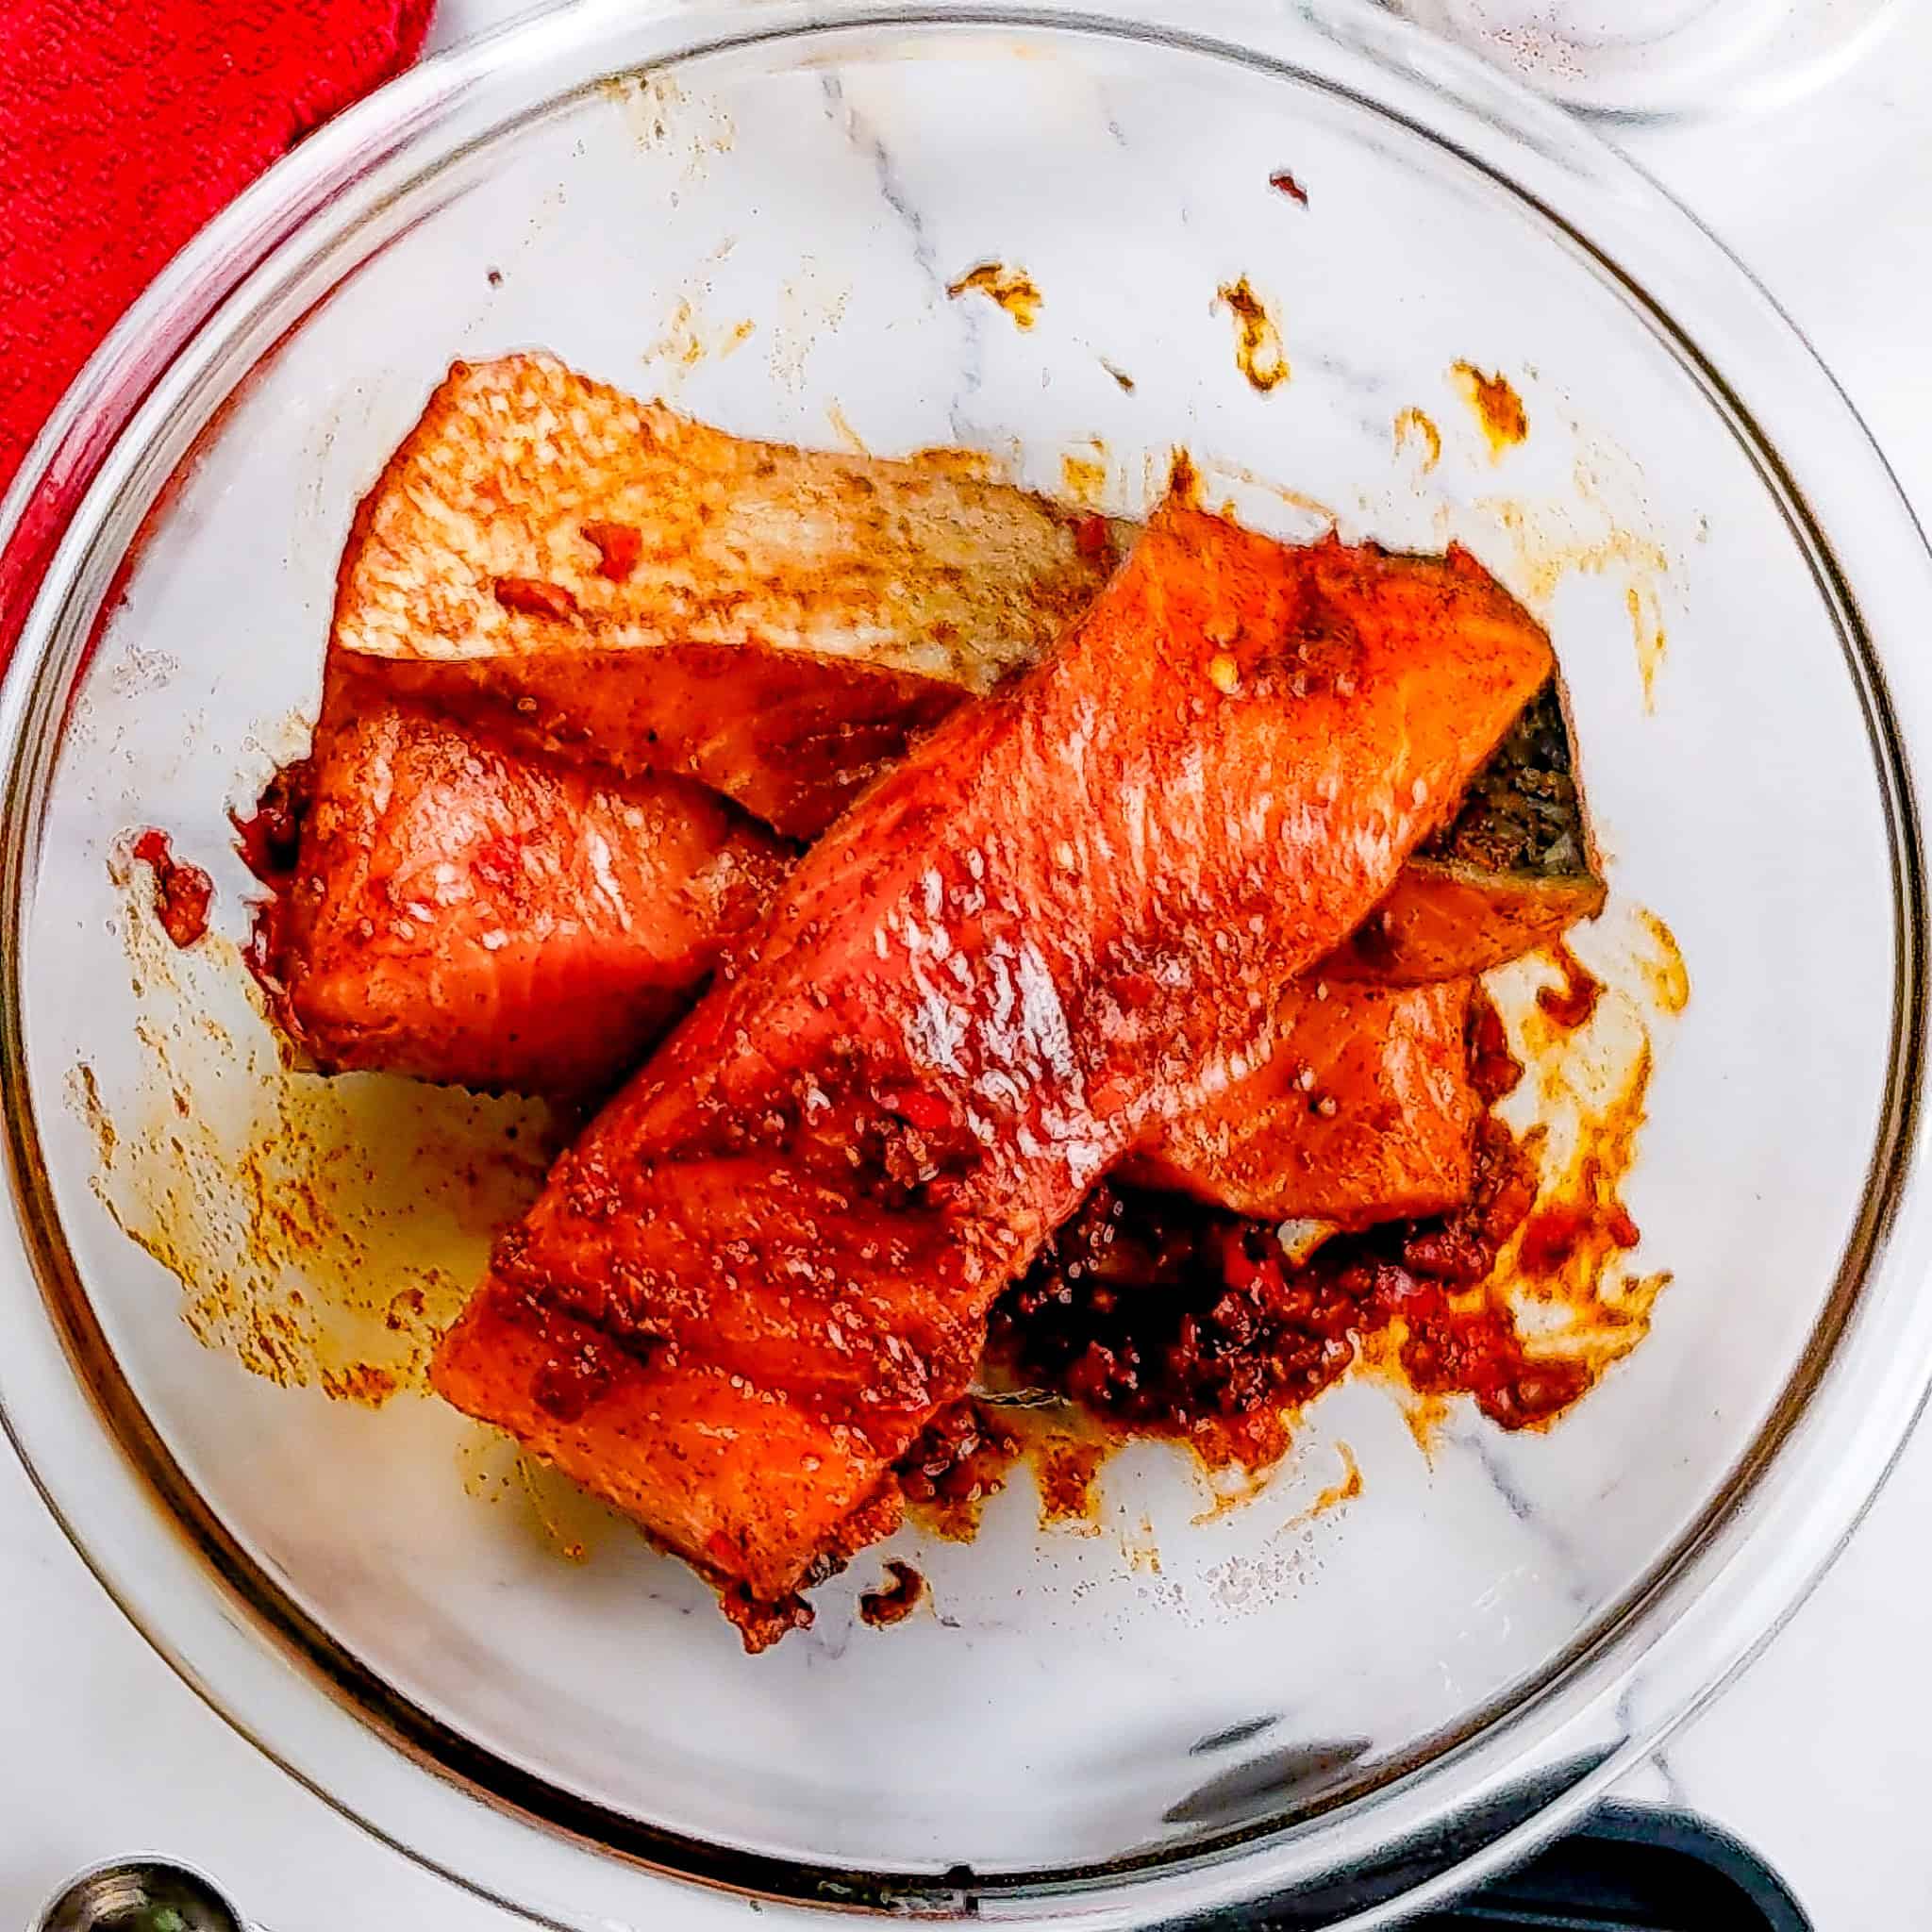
column 125, row 124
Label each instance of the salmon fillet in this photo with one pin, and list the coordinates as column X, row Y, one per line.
column 497, row 919
column 608, row 576
column 1069, row 915
column 1364, row 1112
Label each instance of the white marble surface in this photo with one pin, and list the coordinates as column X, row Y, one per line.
column 1816, row 1755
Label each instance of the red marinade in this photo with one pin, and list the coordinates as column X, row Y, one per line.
column 1170, row 1319
column 182, row 893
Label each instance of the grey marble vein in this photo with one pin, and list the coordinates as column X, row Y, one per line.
column 1565, row 1559
column 865, row 138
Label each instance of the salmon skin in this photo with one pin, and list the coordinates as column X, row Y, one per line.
column 1364, row 1112
column 608, row 578
column 1510, row 871
column 497, row 919
column 1069, row 915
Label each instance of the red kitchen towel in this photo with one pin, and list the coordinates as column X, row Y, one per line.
column 125, row 124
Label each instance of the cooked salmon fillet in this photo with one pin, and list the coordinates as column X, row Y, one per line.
column 1364, row 1112
column 613, row 577
column 495, row 918
column 1070, row 915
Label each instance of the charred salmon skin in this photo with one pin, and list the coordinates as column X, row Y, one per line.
column 1512, row 870
column 1064, row 918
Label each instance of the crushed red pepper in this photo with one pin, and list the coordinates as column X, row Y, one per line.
column 569, row 1383
column 1493, row 1070
column 498, row 861
column 1555, row 1233
column 536, row 597
column 182, row 893
column 269, row 837
column 1288, row 186
column 1090, row 537
column 618, row 546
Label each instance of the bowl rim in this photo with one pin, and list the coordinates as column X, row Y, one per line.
column 104, row 458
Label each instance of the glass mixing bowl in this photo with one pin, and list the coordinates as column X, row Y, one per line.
column 758, row 212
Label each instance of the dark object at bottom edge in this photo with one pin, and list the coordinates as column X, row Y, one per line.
column 1632, row 1867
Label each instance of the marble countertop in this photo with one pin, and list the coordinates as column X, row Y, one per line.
column 1816, row 1755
